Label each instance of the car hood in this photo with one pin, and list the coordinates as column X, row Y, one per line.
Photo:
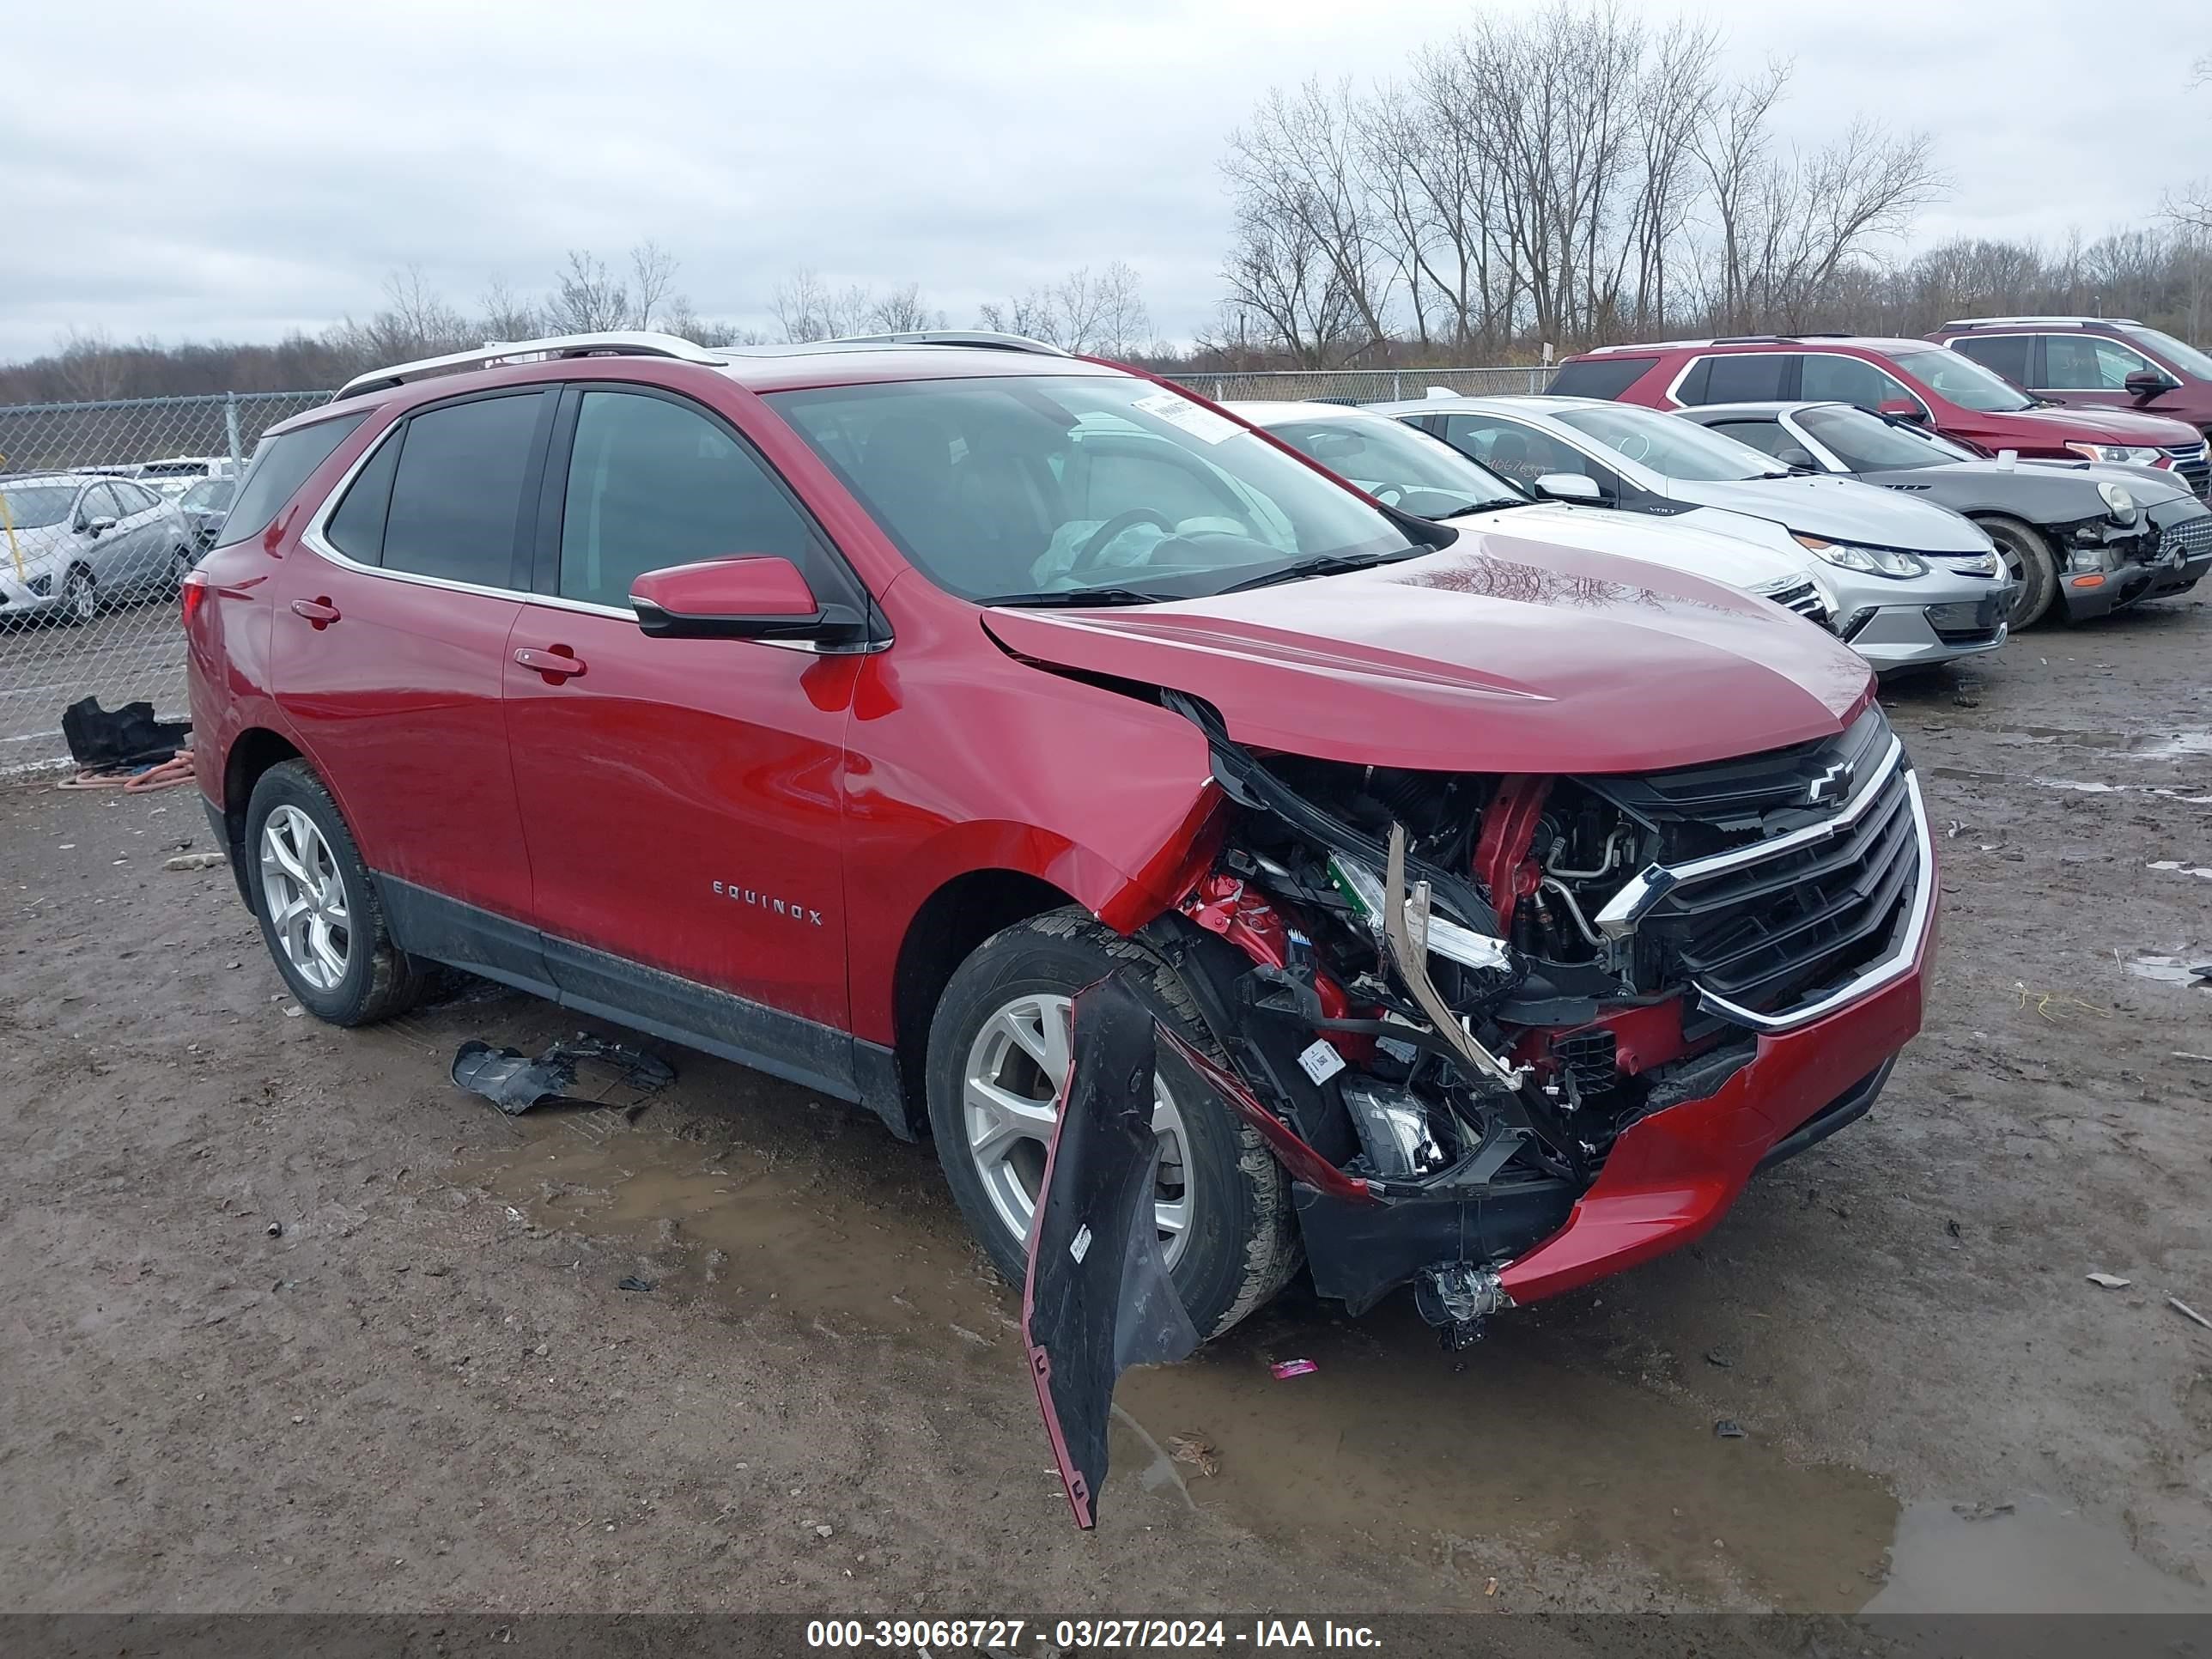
column 1502, row 654
column 2088, row 423
column 2073, row 483
column 1840, row 510
column 1709, row 542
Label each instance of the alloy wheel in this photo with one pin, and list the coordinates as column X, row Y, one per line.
column 1011, row 1093
column 305, row 898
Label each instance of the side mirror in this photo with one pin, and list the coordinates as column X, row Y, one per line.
column 1790, row 455
column 2146, row 384
column 1901, row 409
column 748, row 596
column 1568, row 486
column 96, row 528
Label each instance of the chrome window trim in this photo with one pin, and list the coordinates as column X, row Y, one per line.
column 1645, row 889
column 313, row 539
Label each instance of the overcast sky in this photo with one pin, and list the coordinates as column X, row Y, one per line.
column 235, row 170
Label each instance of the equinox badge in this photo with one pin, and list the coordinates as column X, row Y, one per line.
column 759, row 900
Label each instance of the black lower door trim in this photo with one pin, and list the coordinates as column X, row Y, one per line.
column 594, row 982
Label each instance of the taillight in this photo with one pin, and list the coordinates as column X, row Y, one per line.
column 192, row 593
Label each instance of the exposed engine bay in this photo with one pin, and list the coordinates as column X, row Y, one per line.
column 1457, row 992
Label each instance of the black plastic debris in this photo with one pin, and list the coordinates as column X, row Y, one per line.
column 129, row 736
column 1728, row 1429
column 515, row 1083
column 633, row 1283
column 1097, row 1298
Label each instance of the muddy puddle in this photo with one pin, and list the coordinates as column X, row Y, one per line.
column 1389, row 1440
column 2029, row 1556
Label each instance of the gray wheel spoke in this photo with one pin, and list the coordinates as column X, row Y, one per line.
column 997, row 1116
column 305, row 897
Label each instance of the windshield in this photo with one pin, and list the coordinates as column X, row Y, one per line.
column 1061, row 485
column 1671, row 446
column 1396, row 463
column 210, row 495
column 1963, row 381
column 1866, row 443
column 33, row 506
column 2182, row 354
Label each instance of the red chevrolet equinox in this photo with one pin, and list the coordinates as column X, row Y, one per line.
column 1916, row 380
column 844, row 709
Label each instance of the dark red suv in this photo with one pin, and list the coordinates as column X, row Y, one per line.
column 1909, row 380
column 2094, row 363
column 845, row 709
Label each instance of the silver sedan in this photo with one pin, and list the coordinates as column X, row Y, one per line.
column 71, row 542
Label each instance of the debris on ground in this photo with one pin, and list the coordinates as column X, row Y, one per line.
column 1201, row 1455
column 515, row 1083
column 1951, row 1226
column 194, row 861
column 1715, row 1357
column 126, row 748
column 1728, row 1429
column 2110, row 1281
column 2061, row 1001
column 2188, row 1312
column 1289, row 1368
column 1980, row 1511
column 294, row 1011
column 632, row 1282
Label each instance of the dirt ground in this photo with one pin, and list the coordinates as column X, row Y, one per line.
column 290, row 1322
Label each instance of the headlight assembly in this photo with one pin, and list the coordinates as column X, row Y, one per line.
column 2120, row 454
column 1867, row 561
column 2118, row 502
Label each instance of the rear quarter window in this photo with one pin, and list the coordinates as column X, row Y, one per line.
column 1598, row 377
column 281, row 464
column 2007, row 354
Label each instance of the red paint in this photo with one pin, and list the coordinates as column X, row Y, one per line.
column 1669, row 1178
column 2035, row 433
column 1501, row 863
column 558, row 768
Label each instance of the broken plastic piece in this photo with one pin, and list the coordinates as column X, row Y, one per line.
column 1097, row 1299
column 1728, row 1429
column 515, row 1083
column 2110, row 1281
column 1284, row 1369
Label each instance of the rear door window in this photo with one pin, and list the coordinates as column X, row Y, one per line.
column 1831, row 379
column 281, row 464
column 1748, row 377
column 1519, row 453
column 2007, row 354
column 653, row 483
column 1599, row 377
column 456, row 511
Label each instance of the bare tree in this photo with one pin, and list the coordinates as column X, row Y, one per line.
column 902, row 311
column 587, row 298
column 90, row 366
column 507, row 315
column 806, row 308
column 415, row 321
column 652, row 277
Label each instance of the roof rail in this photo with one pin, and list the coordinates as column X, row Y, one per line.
column 1969, row 323
column 617, row 342
column 988, row 338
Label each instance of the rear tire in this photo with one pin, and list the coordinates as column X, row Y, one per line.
column 181, row 560
column 1237, row 1245
column 319, row 913
column 2029, row 557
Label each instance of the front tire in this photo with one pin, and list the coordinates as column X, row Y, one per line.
column 998, row 1048
column 80, row 598
column 2028, row 556
column 319, row 914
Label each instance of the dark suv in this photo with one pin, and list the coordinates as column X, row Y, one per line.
column 846, row 709
column 1909, row 380
column 2090, row 362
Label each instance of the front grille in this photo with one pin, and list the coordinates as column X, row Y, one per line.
column 2190, row 461
column 2193, row 536
column 1968, row 622
column 1775, row 932
column 1805, row 599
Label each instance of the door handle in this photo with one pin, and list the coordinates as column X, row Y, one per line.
column 554, row 662
column 320, row 612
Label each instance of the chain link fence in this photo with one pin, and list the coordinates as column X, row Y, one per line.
column 1363, row 385
column 103, row 507
column 107, row 504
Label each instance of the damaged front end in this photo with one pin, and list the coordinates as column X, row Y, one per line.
column 1451, row 1000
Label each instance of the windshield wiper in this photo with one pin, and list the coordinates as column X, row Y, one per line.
column 1068, row 596
column 1326, row 564
column 1487, row 504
